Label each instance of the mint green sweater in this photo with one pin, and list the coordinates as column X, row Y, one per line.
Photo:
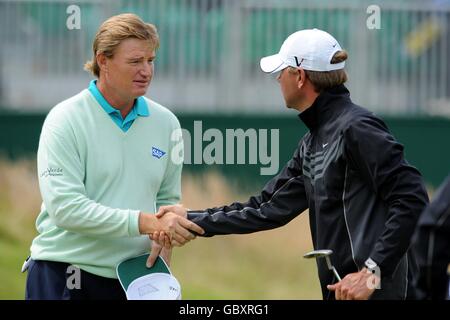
column 95, row 179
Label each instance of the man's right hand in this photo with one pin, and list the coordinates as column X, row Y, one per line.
column 176, row 208
column 178, row 228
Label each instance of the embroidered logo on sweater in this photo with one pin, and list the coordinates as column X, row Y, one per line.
column 52, row 172
column 157, row 153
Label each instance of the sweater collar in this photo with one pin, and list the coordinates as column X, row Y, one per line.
column 323, row 107
column 140, row 107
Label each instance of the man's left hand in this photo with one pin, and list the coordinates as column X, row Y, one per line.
column 355, row 286
column 159, row 250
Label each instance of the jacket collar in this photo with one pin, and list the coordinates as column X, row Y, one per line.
column 324, row 106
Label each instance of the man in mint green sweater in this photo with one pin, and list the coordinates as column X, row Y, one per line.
column 104, row 163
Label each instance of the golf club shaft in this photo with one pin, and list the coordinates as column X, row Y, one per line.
column 336, row 274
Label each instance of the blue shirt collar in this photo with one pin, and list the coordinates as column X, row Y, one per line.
column 140, row 107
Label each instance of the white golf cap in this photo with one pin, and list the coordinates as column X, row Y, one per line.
column 154, row 286
column 310, row 49
column 142, row 283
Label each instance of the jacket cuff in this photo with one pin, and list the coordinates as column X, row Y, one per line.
column 195, row 214
column 384, row 269
column 199, row 217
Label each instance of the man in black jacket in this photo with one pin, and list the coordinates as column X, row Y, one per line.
column 431, row 245
column 363, row 198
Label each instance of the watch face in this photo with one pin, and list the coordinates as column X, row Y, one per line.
column 370, row 264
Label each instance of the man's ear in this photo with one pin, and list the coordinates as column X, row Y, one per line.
column 101, row 61
column 301, row 77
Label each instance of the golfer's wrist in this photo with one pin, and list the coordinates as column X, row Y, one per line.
column 147, row 223
column 372, row 267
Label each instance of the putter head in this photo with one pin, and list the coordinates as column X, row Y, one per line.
column 318, row 254
column 325, row 253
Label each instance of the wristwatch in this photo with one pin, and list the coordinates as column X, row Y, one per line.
column 372, row 266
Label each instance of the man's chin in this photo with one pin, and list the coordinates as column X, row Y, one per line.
column 296, row 108
column 290, row 106
column 139, row 92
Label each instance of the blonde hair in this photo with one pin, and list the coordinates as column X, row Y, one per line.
column 323, row 80
column 116, row 29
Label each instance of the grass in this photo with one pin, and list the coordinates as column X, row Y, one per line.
column 12, row 280
column 264, row 265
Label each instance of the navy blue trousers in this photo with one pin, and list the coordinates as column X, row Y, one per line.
column 49, row 280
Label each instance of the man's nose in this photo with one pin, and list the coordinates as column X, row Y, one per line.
column 147, row 69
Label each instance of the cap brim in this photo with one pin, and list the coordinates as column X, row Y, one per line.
column 131, row 269
column 272, row 64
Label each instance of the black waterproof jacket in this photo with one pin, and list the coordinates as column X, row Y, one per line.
column 431, row 245
column 363, row 198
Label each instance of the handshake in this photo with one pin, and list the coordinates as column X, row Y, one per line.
column 169, row 227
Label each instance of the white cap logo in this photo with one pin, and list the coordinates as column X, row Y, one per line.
column 310, row 49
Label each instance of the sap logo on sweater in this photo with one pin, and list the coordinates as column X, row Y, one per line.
column 157, row 153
